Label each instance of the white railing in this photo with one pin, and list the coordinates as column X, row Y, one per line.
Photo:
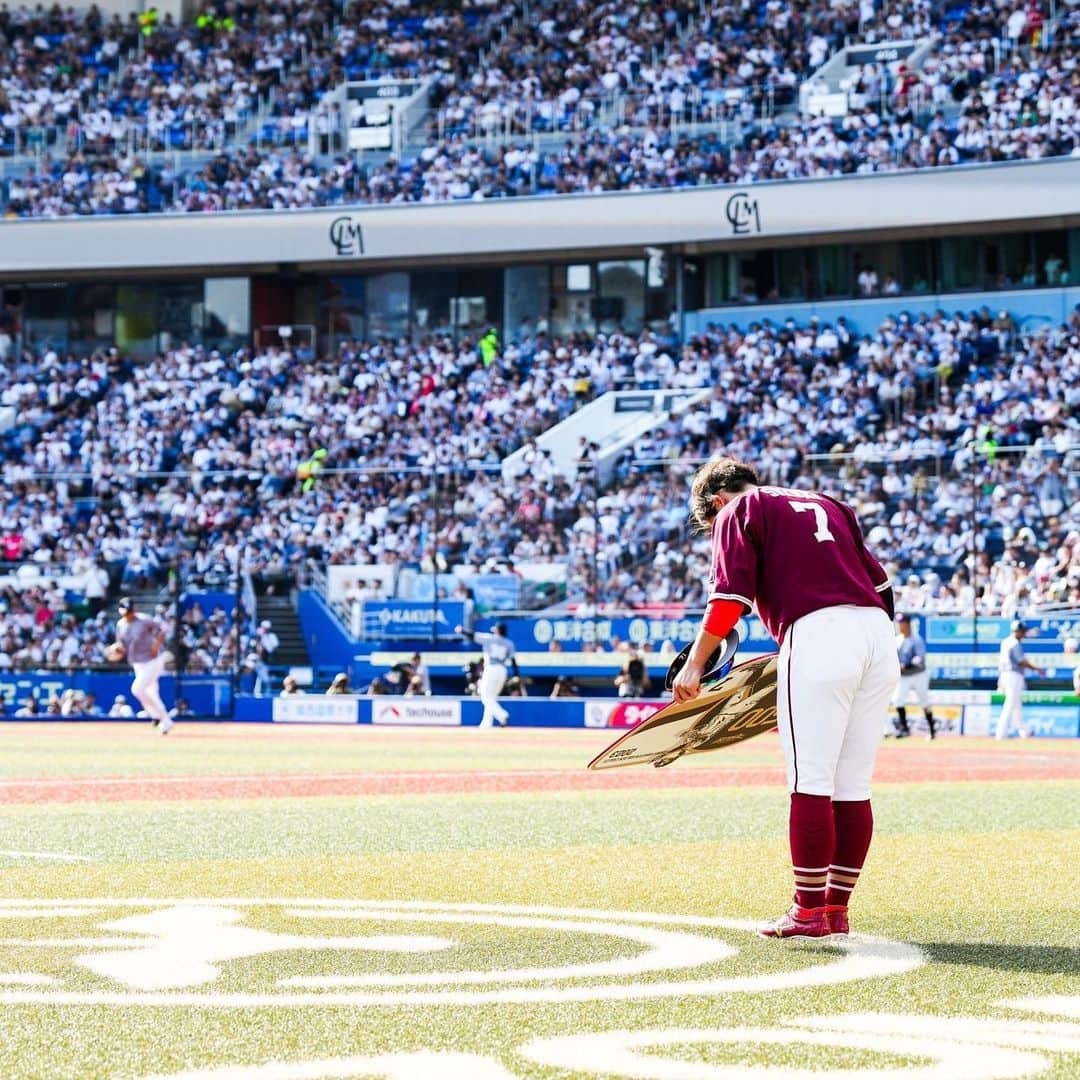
column 345, row 611
column 619, row 109
column 142, row 139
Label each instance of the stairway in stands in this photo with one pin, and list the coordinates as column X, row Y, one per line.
column 286, row 623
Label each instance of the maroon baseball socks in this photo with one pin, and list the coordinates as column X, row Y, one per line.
column 829, row 841
column 854, row 823
column 812, row 834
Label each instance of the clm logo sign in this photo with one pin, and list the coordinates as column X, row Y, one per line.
column 742, row 212
column 347, row 236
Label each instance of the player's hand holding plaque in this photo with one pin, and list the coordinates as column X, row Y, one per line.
column 742, row 704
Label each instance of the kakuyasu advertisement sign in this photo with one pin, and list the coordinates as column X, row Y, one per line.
column 411, row 620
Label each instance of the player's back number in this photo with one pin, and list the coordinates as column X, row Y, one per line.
column 821, row 518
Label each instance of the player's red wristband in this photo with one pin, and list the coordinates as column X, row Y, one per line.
column 721, row 616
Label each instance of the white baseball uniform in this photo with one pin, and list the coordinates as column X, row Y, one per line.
column 911, row 653
column 1012, row 682
column 140, row 638
column 498, row 652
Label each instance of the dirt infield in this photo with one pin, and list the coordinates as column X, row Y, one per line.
column 945, row 761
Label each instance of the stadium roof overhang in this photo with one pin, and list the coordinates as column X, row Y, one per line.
column 1025, row 195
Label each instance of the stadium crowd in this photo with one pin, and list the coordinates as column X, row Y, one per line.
column 114, row 471
column 77, row 78
column 570, row 67
column 56, row 67
column 389, row 452
column 905, row 424
column 500, row 79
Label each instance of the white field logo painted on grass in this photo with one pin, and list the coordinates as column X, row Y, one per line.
column 177, row 952
column 945, row 1048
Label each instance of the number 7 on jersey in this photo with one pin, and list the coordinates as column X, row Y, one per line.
column 821, row 519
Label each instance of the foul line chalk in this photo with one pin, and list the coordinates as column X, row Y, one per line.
column 47, row 856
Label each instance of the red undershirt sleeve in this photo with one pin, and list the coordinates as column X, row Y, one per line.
column 721, row 616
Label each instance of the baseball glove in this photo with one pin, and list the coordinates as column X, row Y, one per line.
column 718, row 665
column 114, row 653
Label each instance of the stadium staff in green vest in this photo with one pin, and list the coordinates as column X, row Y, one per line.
column 489, row 347
column 308, row 472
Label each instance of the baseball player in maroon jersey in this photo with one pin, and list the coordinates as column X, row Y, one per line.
column 800, row 559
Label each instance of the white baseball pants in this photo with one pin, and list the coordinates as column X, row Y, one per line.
column 1012, row 709
column 145, row 687
column 917, row 686
column 836, row 674
column 492, row 680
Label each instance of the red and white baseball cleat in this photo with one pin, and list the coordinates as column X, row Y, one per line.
column 837, row 916
column 799, row 922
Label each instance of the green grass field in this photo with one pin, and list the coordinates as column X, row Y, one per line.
column 154, row 924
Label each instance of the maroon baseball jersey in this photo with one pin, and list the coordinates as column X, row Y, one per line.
column 791, row 552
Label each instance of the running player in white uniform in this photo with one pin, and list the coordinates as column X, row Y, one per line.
column 914, row 676
column 139, row 639
column 498, row 655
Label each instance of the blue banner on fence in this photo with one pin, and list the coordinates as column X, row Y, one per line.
column 1046, row 634
column 571, row 633
column 943, row 634
column 411, row 620
column 1051, row 721
column 1045, row 721
column 206, row 695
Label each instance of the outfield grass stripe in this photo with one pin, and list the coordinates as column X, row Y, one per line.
column 122, row 832
column 45, row 856
column 29, row 751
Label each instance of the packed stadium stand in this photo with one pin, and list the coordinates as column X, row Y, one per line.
column 115, row 471
column 624, row 97
column 160, row 443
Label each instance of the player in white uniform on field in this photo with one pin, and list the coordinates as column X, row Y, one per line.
column 914, row 676
column 1012, row 663
column 498, row 656
column 139, row 639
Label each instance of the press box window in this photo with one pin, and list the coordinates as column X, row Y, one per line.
column 579, row 277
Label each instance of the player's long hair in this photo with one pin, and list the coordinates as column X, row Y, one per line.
column 722, row 474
